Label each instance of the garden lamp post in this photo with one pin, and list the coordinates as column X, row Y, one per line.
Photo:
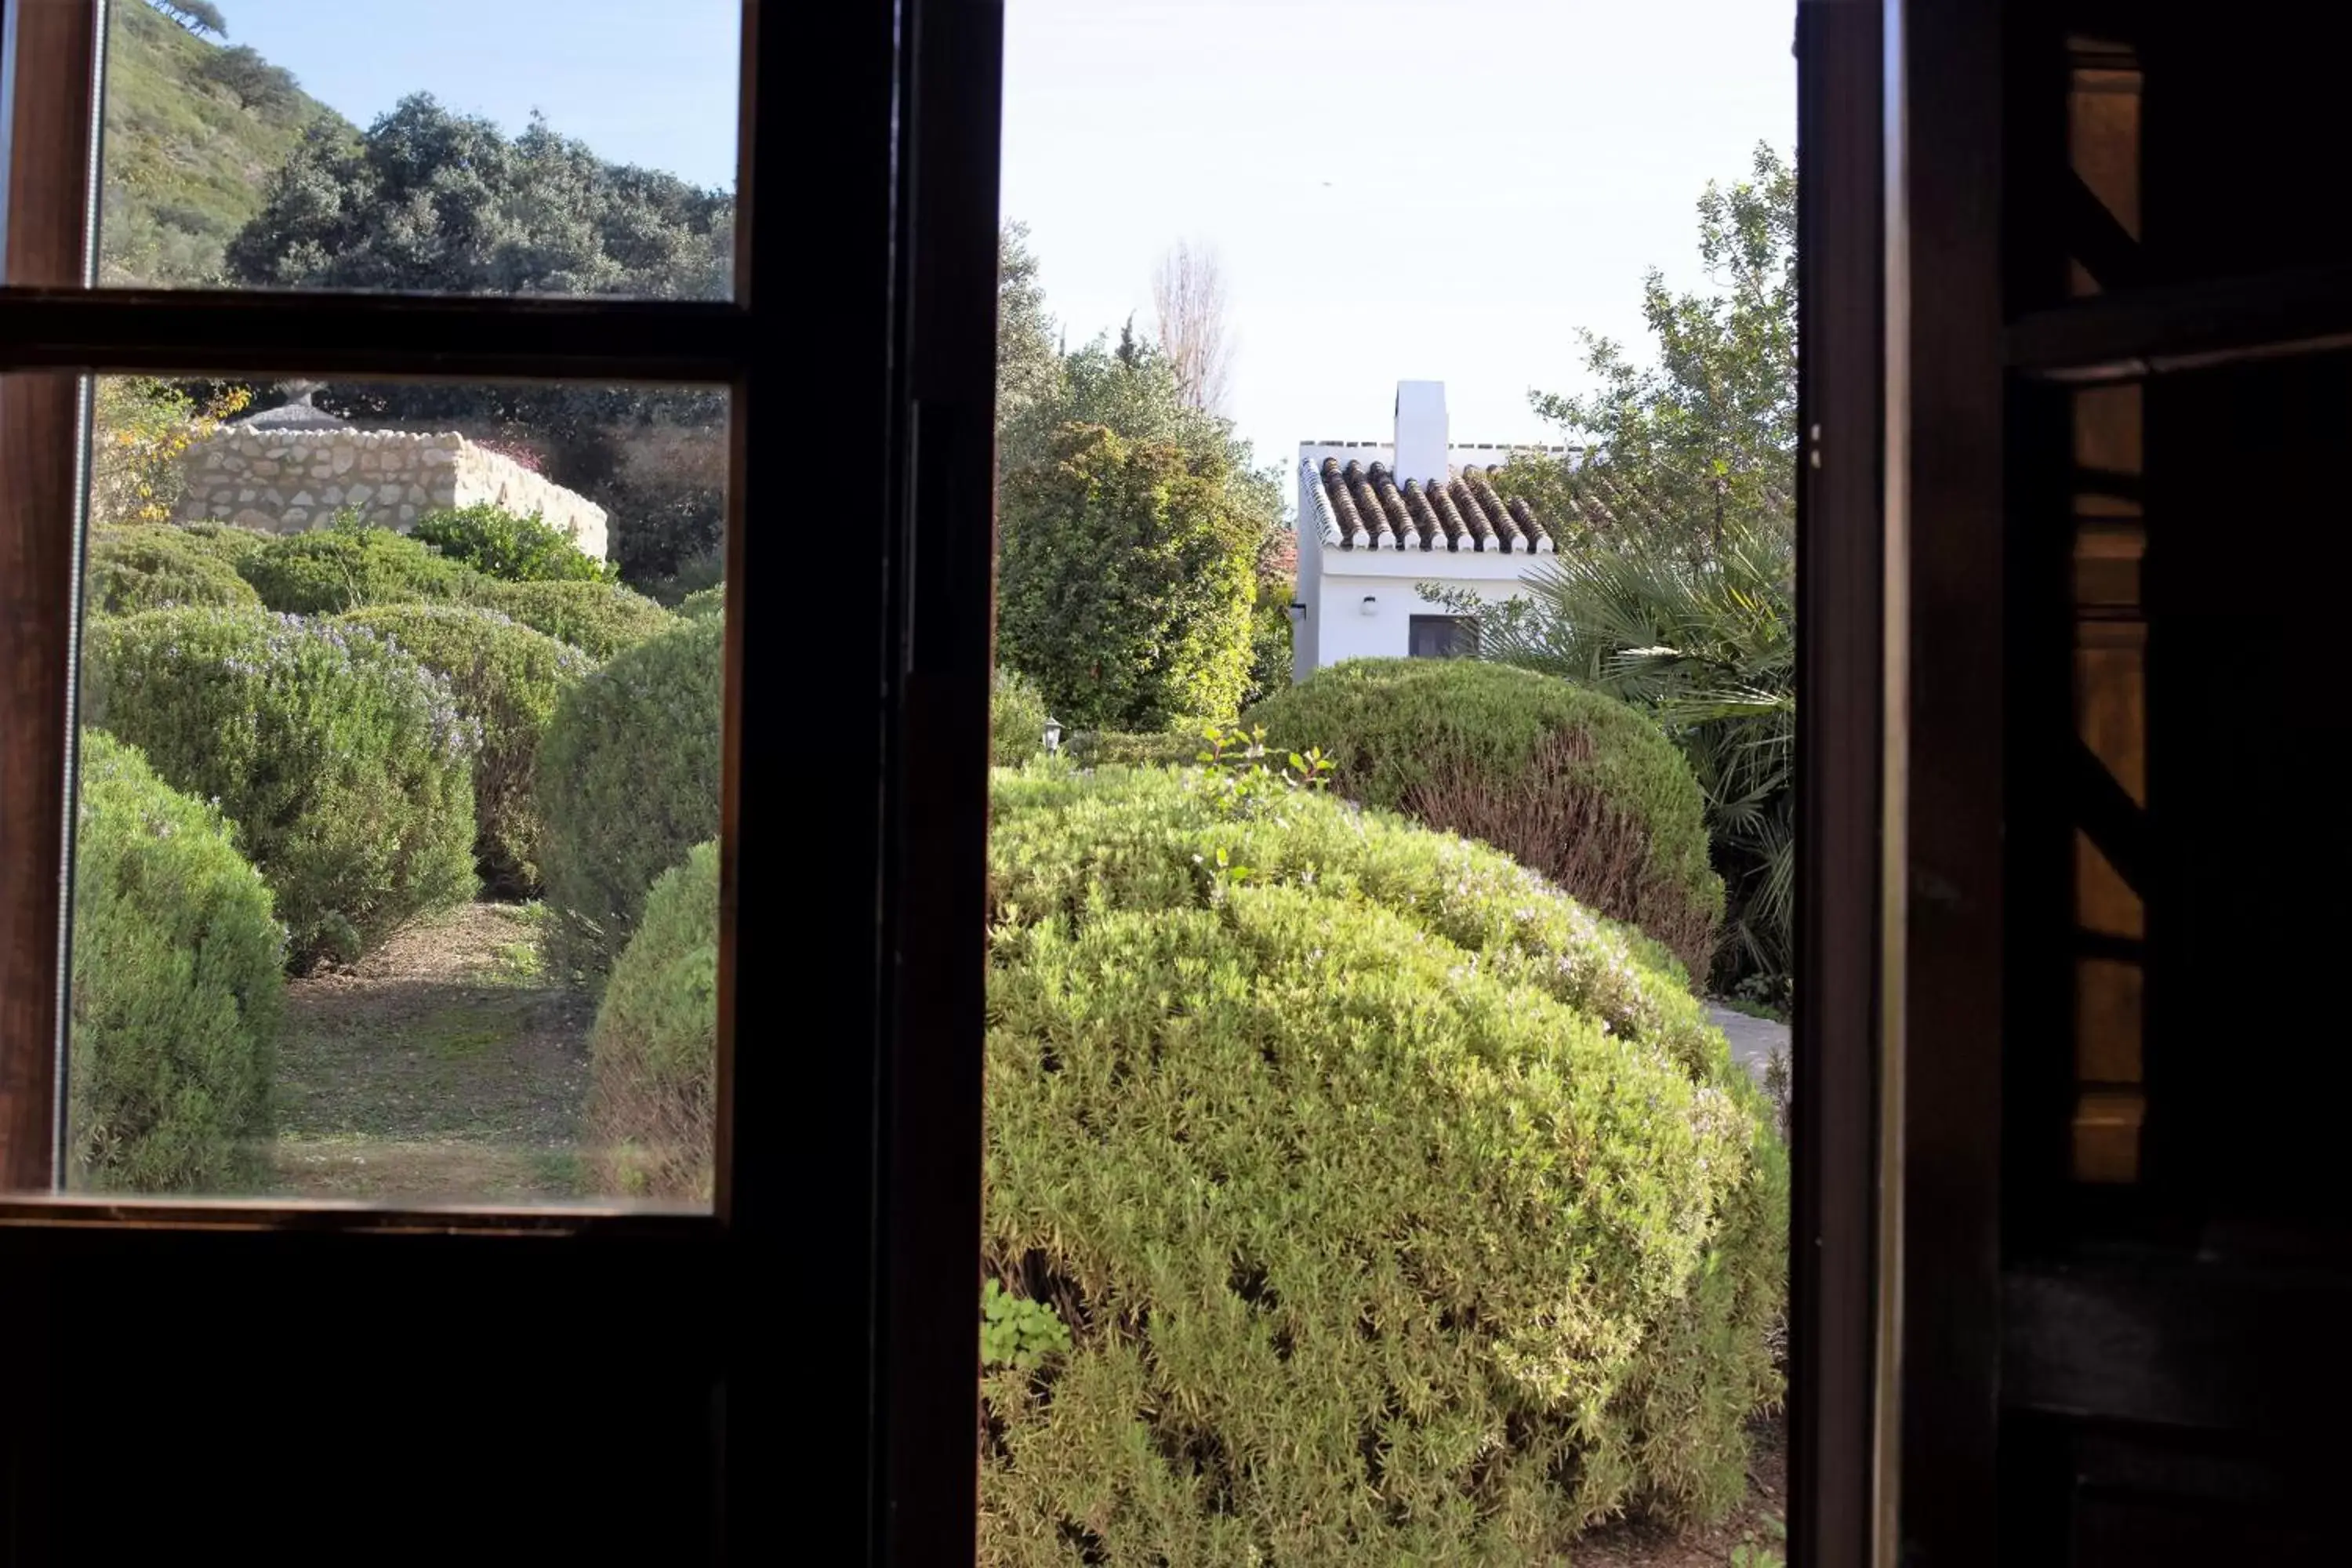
column 1053, row 737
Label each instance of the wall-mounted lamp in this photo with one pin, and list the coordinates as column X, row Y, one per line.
column 1370, row 607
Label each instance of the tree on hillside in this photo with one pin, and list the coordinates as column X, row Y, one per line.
column 251, row 79
column 432, row 202
column 195, row 15
column 1188, row 292
column 1680, row 451
column 1124, row 581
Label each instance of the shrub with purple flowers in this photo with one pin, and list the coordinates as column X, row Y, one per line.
column 507, row 678
column 628, row 782
column 345, row 764
column 178, row 977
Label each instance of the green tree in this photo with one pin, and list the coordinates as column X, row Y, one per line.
column 433, row 202
column 1028, row 359
column 1681, row 451
column 252, row 80
column 1125, row 580
column 196, row 16
column 1675, row 589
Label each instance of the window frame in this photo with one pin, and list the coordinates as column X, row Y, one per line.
column 864, row 1150
column 868, row 785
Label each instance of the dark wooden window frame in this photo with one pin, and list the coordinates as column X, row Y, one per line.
column 854, row 810
column 852, row 1136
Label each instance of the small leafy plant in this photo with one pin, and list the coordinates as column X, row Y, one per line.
column 1240, row 781
column 1017, row 1333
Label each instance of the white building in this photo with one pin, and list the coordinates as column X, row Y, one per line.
column 1375, row 519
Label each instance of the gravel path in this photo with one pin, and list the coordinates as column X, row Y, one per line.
column 1753, row 1040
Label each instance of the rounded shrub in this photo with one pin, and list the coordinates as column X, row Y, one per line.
column 628, row 782
column 598, row 619
column 1017, row 719
column 227, row 541
column 1395, row 1210
column 710, row 601
column 346, row 765
column 178, row 980
column 1124, row 749
column 654, row 1053
column 330, row 570
column 496, row 543
column 506, row 678
column 157, row 566
column 1573, row 784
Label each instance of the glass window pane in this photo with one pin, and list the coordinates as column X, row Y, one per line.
column 424, row 146
column 395, row 872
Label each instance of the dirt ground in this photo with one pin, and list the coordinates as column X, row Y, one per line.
column 438, row 1069
column 1758, row 1525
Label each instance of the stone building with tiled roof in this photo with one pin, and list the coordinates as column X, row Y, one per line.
column 1376, row 519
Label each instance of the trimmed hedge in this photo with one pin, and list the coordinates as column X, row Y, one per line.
column 654, row 1049
column 628, row 782
column 1573, row 784
column 1122, row 748
column 1399, row 1213
column 496, row 543
column 1017, row 719
column 178, row 980
column 346, row 766
column 506, row 678
column 710, row 601
column 598, row 619
column 331, row 570
column 156, row 567
column 227, row 541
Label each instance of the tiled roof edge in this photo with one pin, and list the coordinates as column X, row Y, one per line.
column 1326, row 522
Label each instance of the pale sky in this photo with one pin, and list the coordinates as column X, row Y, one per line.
column 1440, row 189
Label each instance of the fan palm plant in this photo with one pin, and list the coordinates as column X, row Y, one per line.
column 1707, row 645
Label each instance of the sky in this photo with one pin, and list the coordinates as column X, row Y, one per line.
column 1441, row 190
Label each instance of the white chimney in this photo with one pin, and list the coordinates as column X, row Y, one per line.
column 1420, row 434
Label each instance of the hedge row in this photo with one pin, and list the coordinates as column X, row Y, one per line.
column 346, row 767
column 507, row 678
column 654, row 1053
column 177, row 983
column 627, row 784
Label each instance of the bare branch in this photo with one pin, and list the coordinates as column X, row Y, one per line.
column 1189, row 292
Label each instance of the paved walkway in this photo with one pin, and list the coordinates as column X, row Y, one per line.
column 1753, row 1040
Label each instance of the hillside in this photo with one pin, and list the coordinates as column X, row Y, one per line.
column 194, row 129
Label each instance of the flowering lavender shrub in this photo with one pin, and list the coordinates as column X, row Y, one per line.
column 178, row 975
column 346, row 567
column 506, row 678
column 345, row 764
column 598, row 619
column 628, row 782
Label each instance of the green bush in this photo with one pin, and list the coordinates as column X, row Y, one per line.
column 1573, row 784
column 345, row 766
column 628, row 782
column 1398, row 1211
column 1119, row 748
column 506, row 678
column 598, row 619
column 1017, row 719
column 330, row 570
column 156, row 567
column 177, row 984
column 496, row 543
column 225, row 541
column 710, row 601
column 654, row 1053
column 1125, row 580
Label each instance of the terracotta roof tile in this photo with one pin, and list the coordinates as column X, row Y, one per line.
column 1358, row 507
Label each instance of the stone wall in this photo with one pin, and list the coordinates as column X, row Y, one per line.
column 289, row 480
